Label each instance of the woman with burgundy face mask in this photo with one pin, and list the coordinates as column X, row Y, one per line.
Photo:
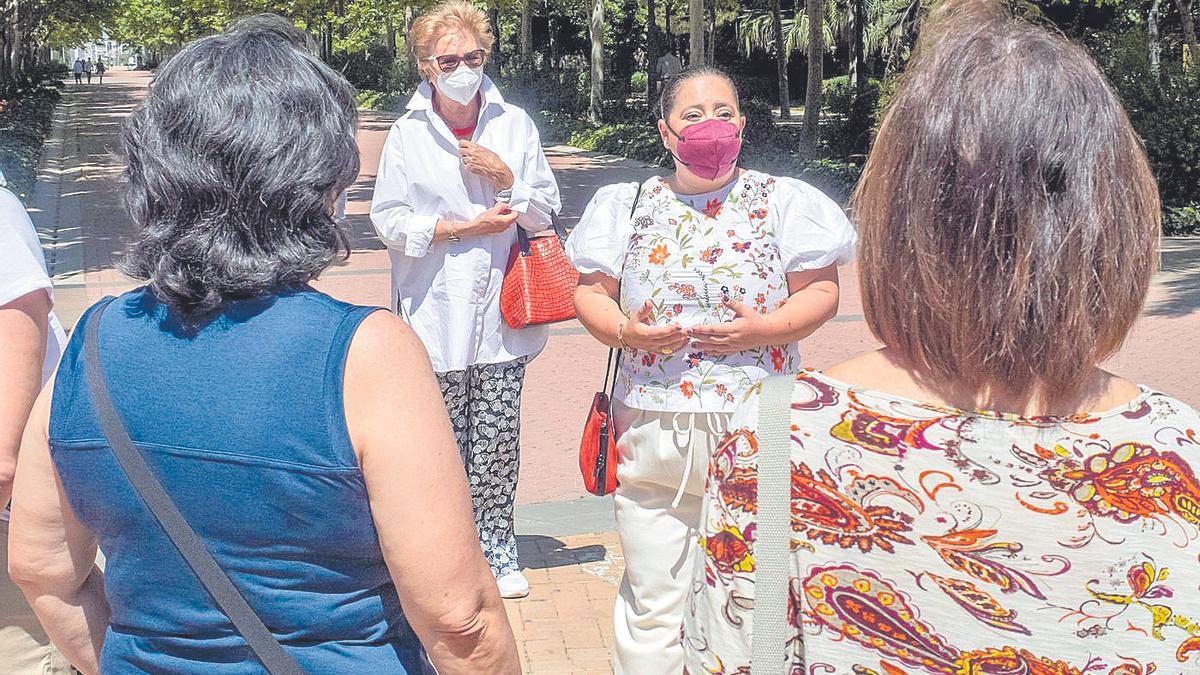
column 706, row 279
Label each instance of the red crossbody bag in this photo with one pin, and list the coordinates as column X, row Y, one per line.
column 598, row 449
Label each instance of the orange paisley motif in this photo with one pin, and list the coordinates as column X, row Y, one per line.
column 1131, row 481
column 822, row 513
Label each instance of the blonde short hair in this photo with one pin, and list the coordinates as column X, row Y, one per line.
column 455, row 14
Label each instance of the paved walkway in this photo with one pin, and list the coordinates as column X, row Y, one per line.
column 564, row 625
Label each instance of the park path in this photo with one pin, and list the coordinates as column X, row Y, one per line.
column 567, row 548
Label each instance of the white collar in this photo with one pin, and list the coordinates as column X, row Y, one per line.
column 423, row 98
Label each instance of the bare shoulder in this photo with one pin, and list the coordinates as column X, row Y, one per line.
column 384, row 342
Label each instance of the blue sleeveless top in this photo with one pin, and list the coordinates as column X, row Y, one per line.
column 241, row 420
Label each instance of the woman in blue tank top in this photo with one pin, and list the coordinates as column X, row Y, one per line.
column 302, row 438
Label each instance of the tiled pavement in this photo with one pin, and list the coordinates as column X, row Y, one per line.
column 564, row 625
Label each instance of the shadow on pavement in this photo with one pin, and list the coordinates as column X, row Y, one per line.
column 538, row 552
column 1180, row 279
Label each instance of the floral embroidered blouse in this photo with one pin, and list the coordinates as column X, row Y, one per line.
column 687, row 261
column 931, row 540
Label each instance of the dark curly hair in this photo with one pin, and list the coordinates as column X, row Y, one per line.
column 232, row 163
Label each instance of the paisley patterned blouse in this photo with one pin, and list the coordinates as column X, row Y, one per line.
column 931, row 540
column 685, row 262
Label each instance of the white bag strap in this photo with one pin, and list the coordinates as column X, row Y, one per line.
column 772, row 541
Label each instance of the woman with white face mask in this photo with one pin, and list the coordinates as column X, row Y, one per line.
column 460, row 171
column 706, row 279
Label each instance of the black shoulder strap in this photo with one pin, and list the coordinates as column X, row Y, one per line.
column 268, row 650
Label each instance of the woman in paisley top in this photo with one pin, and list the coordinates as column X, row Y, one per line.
column 706, row 278
column 955, row 506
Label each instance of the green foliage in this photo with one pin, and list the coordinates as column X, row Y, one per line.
column 24, row 125
column 851, row 117
column 638, row 141
column 1163, row 110
column 389, row 101
column 564, row 91
column 638, row 81
column 1182, row 220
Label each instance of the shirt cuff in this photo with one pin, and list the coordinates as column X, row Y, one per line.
column 520, row 194
column 419, row 236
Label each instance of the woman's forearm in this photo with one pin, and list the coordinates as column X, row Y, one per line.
column 804, row 312
column 76, row 622
column 483, row 643
column 600, row 315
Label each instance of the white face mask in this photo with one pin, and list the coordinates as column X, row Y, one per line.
column 462, row 84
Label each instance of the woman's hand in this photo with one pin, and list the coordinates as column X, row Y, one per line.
column 749, row 330
column 639, row 333
column 485, row 163
column 493, row 221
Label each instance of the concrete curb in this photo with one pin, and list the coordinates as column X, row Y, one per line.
column 589, row 515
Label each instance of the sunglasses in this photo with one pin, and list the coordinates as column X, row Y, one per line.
column 449, row 62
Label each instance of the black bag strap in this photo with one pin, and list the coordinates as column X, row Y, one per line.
column 560, row 231
column 264, row 645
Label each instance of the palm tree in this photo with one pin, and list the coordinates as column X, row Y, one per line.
column 652, row 51
column 1189, row 31
column 597, row 29
column 815, row 10
column 696, row 29
column 781, row 60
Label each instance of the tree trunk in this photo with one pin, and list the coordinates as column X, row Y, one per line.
column 526, row 32
column 858, row 56
column 391, row 37
column 785, row 98
column 552, row 35
column 595, row 110
column 815, row 10
column 668, row 5
column 652, row 52
column 711, row 43
column 497, row 55
column 696, row 31
column 1189, row 31
column 1155, row 44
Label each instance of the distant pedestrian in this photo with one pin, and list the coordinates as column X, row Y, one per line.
column 78, row 70
column 87, row 68
column 100, row 68
column 669, row 66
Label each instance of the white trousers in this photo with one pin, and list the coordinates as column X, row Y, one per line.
column 664, row 463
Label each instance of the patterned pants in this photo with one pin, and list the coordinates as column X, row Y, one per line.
column 484, row 402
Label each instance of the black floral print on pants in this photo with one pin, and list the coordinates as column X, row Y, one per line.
column 484, row 402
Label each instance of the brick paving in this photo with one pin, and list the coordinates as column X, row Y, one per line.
column 564, row 625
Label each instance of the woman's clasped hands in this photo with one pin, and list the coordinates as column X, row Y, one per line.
column 748, row 330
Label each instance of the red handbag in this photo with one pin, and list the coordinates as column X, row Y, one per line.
column 598, row 449
column 539, row 284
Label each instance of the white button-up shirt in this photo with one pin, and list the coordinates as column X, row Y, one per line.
column 450, row 292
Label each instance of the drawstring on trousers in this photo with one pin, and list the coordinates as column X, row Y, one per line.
column 682, row 438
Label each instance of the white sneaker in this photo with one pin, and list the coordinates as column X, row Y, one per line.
column 513, row 585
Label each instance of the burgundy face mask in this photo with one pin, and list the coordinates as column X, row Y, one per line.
column 710, row 148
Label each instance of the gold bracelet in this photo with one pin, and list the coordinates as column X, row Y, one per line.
column 621, row 335
column 453, row 236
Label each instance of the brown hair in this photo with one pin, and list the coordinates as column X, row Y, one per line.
column 1008, row 216
column 434, row 23
column 666, row 100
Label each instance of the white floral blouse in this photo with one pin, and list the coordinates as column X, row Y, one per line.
column 687, row 261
